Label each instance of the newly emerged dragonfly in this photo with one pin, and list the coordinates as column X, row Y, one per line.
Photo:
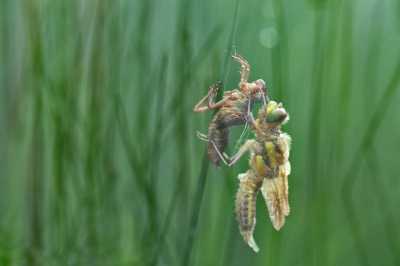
column 269, row 170
column 232, row 109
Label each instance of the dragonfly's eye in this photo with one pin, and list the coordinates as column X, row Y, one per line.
column 277, row 115
column 261, row 84
column 271, row 106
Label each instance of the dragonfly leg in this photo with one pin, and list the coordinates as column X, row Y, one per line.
column 247, row 145
column 250, row 118
column 212, row 92
column 235, row 158
column 245, row 72
column 265, row 99
column 204, row 137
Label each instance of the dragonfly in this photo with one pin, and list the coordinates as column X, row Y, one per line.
column 232, row 109
column 269, row 168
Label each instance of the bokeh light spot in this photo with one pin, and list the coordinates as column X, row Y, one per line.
column 269, row 37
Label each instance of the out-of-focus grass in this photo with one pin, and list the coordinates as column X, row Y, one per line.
column 99, row 158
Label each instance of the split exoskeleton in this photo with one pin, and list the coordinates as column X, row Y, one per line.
column 268, row 166
column 233, row 109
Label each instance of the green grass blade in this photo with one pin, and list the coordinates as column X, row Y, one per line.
column 206, row 162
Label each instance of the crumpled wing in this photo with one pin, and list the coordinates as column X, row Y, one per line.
column 275, row 191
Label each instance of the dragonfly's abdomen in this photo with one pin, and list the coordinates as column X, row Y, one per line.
column 218, row 131
column 220, row 139
column 246, row 206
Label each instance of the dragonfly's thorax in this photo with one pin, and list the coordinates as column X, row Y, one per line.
column 263, row 130
column 233, row 114
column 255, row 91
column 272, row 151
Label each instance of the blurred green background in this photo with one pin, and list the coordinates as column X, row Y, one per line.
column 99, row 159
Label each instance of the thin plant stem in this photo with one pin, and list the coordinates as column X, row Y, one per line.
column 227, row 60
column 352, row 174
column 205, row 163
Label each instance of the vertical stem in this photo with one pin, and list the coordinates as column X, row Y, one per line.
column 205, row 163
column 355, row 166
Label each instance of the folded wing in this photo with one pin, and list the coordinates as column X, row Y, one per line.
column 275, row 192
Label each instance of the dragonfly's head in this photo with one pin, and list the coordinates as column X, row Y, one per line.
column 261, row 85
column 262, row 90
column 276, row 114
column 258, row 91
